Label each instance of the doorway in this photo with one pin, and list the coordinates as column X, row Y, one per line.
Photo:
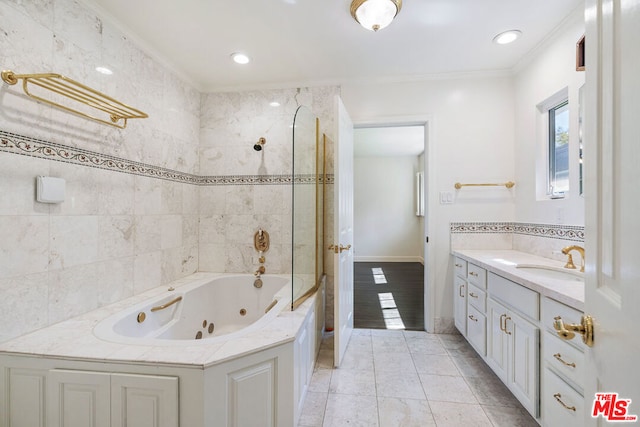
column 389, row 225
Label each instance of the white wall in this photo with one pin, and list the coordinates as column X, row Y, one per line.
column 551, row 70
column 385, row 223
column 471, row 140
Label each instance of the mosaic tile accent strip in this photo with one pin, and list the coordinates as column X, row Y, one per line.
column 564, row 232
column 482, row 227
column 18, row 144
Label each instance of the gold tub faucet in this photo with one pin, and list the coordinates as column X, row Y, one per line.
column 567, row 250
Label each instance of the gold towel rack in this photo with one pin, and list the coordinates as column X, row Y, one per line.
column 508, row 184
column 118, row 113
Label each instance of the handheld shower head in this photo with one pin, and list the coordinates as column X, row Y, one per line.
column 258, row 146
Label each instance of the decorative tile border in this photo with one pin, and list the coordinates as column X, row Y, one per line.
column 482, row 227
column 18, row 144
column 564, row 232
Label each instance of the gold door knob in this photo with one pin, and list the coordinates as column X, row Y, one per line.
column 344, row 248
column 339, row 248
column 568, row 331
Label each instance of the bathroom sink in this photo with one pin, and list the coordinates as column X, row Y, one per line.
column 552, row 272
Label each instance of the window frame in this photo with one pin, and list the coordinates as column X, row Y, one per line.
column 551, row 150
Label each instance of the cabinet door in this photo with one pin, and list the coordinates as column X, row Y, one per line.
column 524, row 361
column 144, row 401
column 22, row 397
column 497, row 339
column 78, row 399
column 460, row 304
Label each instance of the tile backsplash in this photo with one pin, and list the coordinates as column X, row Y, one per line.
column 545, row 240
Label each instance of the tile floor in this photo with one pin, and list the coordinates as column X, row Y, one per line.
column 408, row 378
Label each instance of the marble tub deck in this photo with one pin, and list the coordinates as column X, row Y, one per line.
column 74, row 339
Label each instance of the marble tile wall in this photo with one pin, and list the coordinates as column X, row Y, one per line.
column 121, row 231
column 230, row 213
column 545, row 240
column 118, row 233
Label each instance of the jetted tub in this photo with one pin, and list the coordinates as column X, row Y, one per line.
column 202, row 312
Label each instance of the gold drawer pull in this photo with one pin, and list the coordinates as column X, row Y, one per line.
column 458, row 265
column 558, row 398
column 472, row 273
column 558, row 356
column 472, row 295
column 473, row 318
column 505, row 325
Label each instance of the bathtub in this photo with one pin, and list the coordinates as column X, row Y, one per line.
column 201, row 312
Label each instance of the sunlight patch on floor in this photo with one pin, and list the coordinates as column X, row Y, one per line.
column 378, row 276
column 390, row 313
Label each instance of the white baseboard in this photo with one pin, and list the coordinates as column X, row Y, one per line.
column 388, row 259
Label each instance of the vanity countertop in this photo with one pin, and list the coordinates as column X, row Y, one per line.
column 504, row 262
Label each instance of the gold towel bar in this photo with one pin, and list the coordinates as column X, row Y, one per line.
column 508, row 184
column 163, row 306
column 117, row 112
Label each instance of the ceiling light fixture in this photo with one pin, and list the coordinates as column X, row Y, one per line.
column 374, row 15
column 507, row 37
column 240, row 58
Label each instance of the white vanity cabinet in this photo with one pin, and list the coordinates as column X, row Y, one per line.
column 513, row 339
column 476, row 318
column 564, row 369
column 513, row 353
column 460, row 294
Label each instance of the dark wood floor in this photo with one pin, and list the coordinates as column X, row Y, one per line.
column 395, row 301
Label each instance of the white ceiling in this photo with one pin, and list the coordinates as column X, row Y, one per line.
column 312, row 42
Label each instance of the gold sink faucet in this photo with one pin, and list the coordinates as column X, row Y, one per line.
column 570, row 264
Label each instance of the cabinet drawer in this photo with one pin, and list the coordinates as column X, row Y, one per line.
column 564, row 358
column 460, row 267
column 562, row 405
column 477, row 298
column 477, row 276
column 552, row 308
column 477, row 330
column 518, row 297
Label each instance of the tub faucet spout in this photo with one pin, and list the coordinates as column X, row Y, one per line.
column 259, row 271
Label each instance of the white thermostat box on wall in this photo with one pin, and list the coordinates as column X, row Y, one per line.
column 50, row 190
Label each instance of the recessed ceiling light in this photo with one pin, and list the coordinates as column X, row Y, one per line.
column 240, row 58
column 104, row 70
column 507, row 37
column 274, row 103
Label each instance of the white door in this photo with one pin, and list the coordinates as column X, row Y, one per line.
column 343, row 234
column 612, row 202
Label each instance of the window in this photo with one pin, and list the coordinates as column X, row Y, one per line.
column 559, row 149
